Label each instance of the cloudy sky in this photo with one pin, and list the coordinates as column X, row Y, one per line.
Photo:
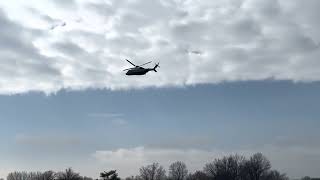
column 236, row 76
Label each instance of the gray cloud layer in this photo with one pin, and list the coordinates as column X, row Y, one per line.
column 195, row 41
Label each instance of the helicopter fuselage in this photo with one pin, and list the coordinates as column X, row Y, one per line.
column 137, row 71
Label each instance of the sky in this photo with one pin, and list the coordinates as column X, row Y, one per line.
column 235, row 76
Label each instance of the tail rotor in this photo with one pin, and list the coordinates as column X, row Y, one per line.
column 155, row 67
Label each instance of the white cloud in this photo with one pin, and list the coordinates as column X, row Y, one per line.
column 47, row 141
column 105, row 115
column 195, row 42
column 114, row 118
column 120, row 122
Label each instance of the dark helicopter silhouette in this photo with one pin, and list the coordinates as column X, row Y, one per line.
column 138, row 70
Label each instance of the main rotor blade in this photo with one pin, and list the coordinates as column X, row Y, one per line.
column 127, row 69
column 131, row 62
column 145, row 63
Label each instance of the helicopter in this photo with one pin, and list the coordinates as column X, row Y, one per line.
column 139, row 70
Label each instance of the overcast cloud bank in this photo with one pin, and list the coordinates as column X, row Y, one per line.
column 195, row 42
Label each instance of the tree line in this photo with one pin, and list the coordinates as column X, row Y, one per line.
column 232, row 167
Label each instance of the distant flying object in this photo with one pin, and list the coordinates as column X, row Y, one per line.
column 57, row 25
column 138, row 70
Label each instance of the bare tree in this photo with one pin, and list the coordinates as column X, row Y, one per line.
column 86, row 178
column 68, row 174
column 133, row 178
column 152, row 172
column 35, row 175
column 227, row 168
column 257, row 166
column 274, row 175
column 48, row 175
column 306, row 178
column 198, row 175
column 18, row 176
column 178, row 171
